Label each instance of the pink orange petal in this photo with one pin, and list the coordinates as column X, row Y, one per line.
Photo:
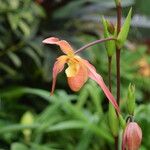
column 64, row 45
column 76, row 82
column 58, row 67
column 96, row 77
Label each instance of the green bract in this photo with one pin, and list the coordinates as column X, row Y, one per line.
column 110, row 45
column 122, row 121
column 117, row 2
column 131, row 99
column 124, row 30
column 113, row 120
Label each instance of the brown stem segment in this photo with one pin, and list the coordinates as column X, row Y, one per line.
column 119, row 16
column 94, row 43
column 116, row 143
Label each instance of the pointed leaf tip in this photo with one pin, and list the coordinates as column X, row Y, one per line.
column 124, row 30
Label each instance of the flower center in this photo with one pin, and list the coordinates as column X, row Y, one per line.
column 73, row 67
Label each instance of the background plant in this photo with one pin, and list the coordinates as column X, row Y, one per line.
column 25, row 74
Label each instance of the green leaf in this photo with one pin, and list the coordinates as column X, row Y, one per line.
column 15, row 59
column 76, row 124
column 17, row 92
column 33, row 55
column 35, row 146
column 14, row 4
column 142, row 114
column 17, row 127
column 85, row 139
column 65, row 125
column 124, row 30
column 83, row 96
column 35, row 45
column 24, row 27
column 8, row 69
column 2, row 45
column 48, row 112
column 18, row 146
column 95, row 96
column 13, row 20
column 39, row 11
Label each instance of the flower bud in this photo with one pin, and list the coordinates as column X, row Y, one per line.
column 108, row 30
column 110, row 27
column 131, row 99
column 27, row 119
column 132, row 137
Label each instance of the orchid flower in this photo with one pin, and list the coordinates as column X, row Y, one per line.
column 78, row 70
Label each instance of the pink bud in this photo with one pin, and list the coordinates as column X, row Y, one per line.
column 132, row 137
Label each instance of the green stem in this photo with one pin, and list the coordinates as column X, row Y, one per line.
column 118, row 74
column 109, row 71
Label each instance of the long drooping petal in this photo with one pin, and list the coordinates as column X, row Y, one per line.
column 64, row 45
column 58, row 67
column 96, row 77
column 76, row 82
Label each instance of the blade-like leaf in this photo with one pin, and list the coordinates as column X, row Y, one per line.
column 18, row 146
column 15, row 59
column 17, row 92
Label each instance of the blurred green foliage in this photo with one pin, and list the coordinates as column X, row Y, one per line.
column 71, row 121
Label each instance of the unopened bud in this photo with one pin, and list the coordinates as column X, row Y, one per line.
column 108, row 30
column 132, row 137
column 110, row 27
column 27, row 119
column 131, row 99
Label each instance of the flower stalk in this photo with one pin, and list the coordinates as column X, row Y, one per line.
column 94, row 43
column 119, row 16
column 109, row 71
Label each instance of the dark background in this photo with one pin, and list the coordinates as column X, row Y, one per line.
column 67, row 120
